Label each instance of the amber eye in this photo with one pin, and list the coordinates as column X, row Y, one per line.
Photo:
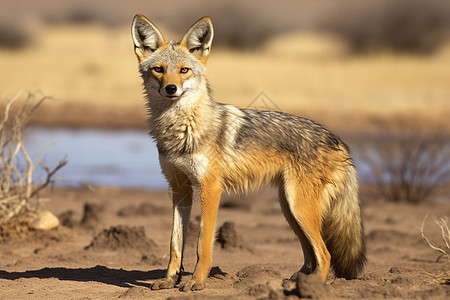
column 158, row 69
column 184, row 70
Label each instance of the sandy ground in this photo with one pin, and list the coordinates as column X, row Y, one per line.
column 69, row 263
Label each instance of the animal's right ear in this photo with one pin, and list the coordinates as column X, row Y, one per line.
column 146, row 37
column 199, row 38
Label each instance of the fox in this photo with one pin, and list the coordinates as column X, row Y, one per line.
column 207, row 147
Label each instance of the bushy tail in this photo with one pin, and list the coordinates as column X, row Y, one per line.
column 343, row 230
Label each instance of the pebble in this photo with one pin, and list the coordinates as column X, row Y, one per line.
column 44, row 220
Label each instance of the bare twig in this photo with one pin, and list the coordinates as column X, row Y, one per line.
column 50, row 175
column 445, row 233
column 442, row 223
column 7, row 110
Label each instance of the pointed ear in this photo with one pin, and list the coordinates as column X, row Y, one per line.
column 146, row 37
column 199, row 38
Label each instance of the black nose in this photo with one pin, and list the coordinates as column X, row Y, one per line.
column 171, row 89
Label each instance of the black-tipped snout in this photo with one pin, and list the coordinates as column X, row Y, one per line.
column 171, row 89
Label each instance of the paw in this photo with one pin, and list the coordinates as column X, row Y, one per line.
column 163, row 283
column 193, row 285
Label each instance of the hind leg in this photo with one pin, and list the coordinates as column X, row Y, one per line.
column 301, row 207
column 308, row 252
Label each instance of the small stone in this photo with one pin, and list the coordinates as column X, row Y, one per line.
column 44, row 220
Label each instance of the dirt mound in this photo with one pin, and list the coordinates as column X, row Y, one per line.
column 220, row 278
column 67, row 218
column 136, row 292
column 256, row 274
column 92, row 215
column 303, row 286
column 259, row 290
column 122, row 238
column 271, row 290
column 311, row 287
column 228, row 237
column 91, row 219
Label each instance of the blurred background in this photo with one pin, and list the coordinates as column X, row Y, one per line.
column 350, row 65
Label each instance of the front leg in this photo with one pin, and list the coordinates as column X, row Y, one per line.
column 182, row 203
column 210, row 191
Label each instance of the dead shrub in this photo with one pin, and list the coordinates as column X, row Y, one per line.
column 404, row 162
column 19, row 191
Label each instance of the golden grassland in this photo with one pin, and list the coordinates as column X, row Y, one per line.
column 93, row 72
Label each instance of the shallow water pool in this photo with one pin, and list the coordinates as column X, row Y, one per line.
column 124, row 158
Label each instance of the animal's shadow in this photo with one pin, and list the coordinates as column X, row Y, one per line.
column 102, row 274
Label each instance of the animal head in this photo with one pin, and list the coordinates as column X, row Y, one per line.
column 172, row 69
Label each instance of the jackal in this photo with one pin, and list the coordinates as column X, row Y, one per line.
column 210, row 147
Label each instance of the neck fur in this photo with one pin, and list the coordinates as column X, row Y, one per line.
column 180, row 125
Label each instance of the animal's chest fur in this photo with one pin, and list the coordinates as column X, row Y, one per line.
column 183, row 139
column 179, row 132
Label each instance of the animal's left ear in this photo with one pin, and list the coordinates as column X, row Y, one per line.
column 146, row 37
column 199, row 38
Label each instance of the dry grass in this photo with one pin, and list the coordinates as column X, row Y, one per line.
column 94, row 67
column 19, row 191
